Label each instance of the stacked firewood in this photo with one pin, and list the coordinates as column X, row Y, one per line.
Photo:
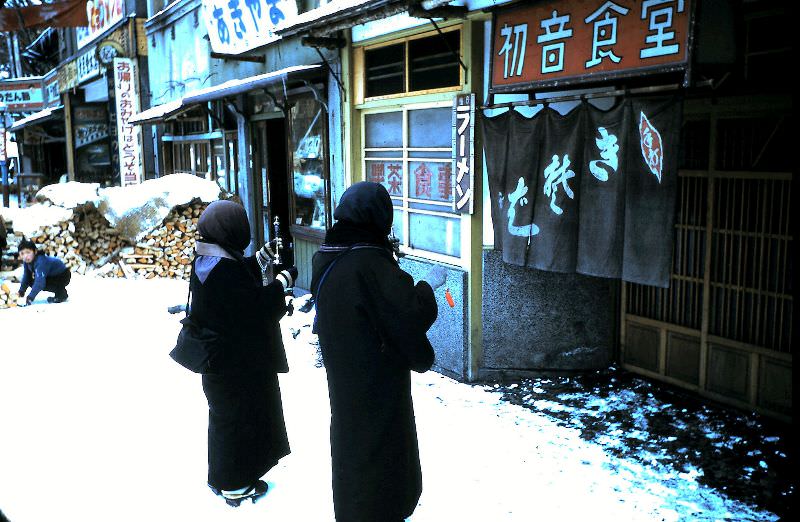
column 168, row 250
column 86, row 241
column 8, row 299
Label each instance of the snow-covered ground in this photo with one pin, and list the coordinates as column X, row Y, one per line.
column 97, row 423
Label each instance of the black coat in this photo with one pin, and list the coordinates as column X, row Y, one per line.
column 246, row 430
column 372, row 322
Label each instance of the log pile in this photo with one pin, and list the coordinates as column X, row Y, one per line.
column 8, row 298
column 86, row 241
column 168, row 250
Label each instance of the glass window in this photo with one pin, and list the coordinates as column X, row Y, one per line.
column 435, row 234
column 432, row 62
column 409, row 151
column 430, row 128
column 308, row 163
column 384, row 129
column 385, row 70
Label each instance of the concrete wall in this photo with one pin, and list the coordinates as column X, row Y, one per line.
column 449, row 334
column 536, row 321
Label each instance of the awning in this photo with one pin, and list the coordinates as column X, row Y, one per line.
column 234, row 87
column 159, row 113
column 230, row 88
column 42, row 116
column 342, row 14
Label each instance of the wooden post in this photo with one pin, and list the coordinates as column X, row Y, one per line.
column 70, row 139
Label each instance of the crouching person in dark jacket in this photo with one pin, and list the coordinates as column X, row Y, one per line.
column 372, row 322
column 42, row 272
column 246, row 429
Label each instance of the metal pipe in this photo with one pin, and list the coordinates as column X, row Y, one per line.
column 586, row 96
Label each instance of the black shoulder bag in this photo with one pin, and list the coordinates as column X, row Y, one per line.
column 197, row 346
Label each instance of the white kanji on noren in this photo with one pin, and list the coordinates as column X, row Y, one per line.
column 607, row 143
column 558, row 173
column 652, row 146
column 518, row 196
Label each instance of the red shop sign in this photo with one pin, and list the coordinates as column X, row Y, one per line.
column 574, row 41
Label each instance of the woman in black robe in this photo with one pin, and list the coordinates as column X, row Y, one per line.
column 246, row 430
column 372, row 322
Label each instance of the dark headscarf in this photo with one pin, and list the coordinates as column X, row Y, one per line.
column 364, row 215
column 225, row 224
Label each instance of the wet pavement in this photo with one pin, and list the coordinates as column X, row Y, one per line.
column 743, row 454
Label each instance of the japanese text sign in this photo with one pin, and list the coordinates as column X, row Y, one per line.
column 129, row 136
column 561, row 42
column 103, row 15
column 464, row 152
column 22, row 95
column 236, row 26
column 52, row 97
column 2, row 141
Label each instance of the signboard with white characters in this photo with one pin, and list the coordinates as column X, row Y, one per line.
column 236, row 26
column 464, row 152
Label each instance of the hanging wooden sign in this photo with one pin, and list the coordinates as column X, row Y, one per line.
column 557, row 43
column 464, row 152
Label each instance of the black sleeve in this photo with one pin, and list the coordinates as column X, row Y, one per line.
column 402, row 313
column 251, row 301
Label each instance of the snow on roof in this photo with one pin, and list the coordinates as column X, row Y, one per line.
column 36, row 116
column 328, row 9
column 157, row 112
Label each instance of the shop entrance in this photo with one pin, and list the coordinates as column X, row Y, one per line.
column 724, row 327
column 272, row 186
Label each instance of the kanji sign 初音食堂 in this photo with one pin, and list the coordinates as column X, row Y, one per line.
column 573, row 41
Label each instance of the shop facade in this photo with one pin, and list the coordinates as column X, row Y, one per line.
column 408, row 95
column 38, row 129
column 702, row 320
column 715, row 320
column 80, row 130
column 250, row 110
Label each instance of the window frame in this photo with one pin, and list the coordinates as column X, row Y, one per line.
column 359, row 59
column 406, row 199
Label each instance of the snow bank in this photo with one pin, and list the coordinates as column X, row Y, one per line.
column 71, row 194
column 29, row 220
column 134, row 211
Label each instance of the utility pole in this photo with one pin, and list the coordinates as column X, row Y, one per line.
column 3, row 153
column 15, row 58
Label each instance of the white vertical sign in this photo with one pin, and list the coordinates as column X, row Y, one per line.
column 129, row 136
column 464, row 152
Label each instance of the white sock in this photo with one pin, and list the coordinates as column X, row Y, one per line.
column 236, row 492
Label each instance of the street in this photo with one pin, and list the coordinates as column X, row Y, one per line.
column 99, row 424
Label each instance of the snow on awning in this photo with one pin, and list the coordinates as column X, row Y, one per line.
column 37, row 117
column 230, row 88
column 234, row 87
column 159, row 113
column 342, row 14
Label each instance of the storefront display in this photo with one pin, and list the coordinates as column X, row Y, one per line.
column 308, row 163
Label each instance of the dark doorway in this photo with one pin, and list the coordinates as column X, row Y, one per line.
column 272, row 185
